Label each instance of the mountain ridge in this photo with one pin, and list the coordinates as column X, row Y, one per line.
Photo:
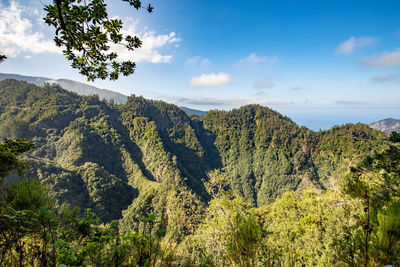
column 69, row 85
column 83, row 89
column 125, row 161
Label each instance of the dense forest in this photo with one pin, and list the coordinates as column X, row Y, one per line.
column 92, row 182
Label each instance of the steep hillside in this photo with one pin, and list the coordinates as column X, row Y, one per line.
column 266, row 154
column 125, row 161
column 387, row 125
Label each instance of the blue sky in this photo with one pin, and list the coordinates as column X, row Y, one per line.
column 322, row 63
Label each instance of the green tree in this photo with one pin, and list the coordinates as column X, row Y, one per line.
column 229, row 235
column 310, row 229
column 376, row 181
column 386, row 236
column 85, row 31
column 34, row 233
column 10, row 149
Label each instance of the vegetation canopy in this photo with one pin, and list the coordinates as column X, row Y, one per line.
column 144, row 184
column 89, row 182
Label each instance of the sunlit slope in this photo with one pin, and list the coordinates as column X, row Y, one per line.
column 125, row 161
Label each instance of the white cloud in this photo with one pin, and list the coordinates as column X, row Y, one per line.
column 197, row 60
column 151, row 44
column 233, row 102
column 253, row 58
column 387, row 59
column 17, row 34
column 210, row 80
column 348, row 46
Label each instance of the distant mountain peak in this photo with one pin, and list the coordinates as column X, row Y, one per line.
column 386, row 125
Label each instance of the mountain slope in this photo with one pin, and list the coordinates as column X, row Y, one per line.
column 125, row 161
column 387, row 125
column 83, row 89
column 73, row 86
column 266, row 154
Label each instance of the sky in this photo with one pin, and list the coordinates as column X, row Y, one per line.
column 321, row 63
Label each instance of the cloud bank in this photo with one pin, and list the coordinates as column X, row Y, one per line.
column 17, row 35
column 233, row 102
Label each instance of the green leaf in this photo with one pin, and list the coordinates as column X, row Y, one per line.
column 151, row 217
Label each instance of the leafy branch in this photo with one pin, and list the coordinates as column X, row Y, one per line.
column 85, row 31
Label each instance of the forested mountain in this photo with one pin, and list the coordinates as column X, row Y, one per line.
column 126, row 160
column 246, row 187
column 70, row 85
column 387, row 125
column 83, row 89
